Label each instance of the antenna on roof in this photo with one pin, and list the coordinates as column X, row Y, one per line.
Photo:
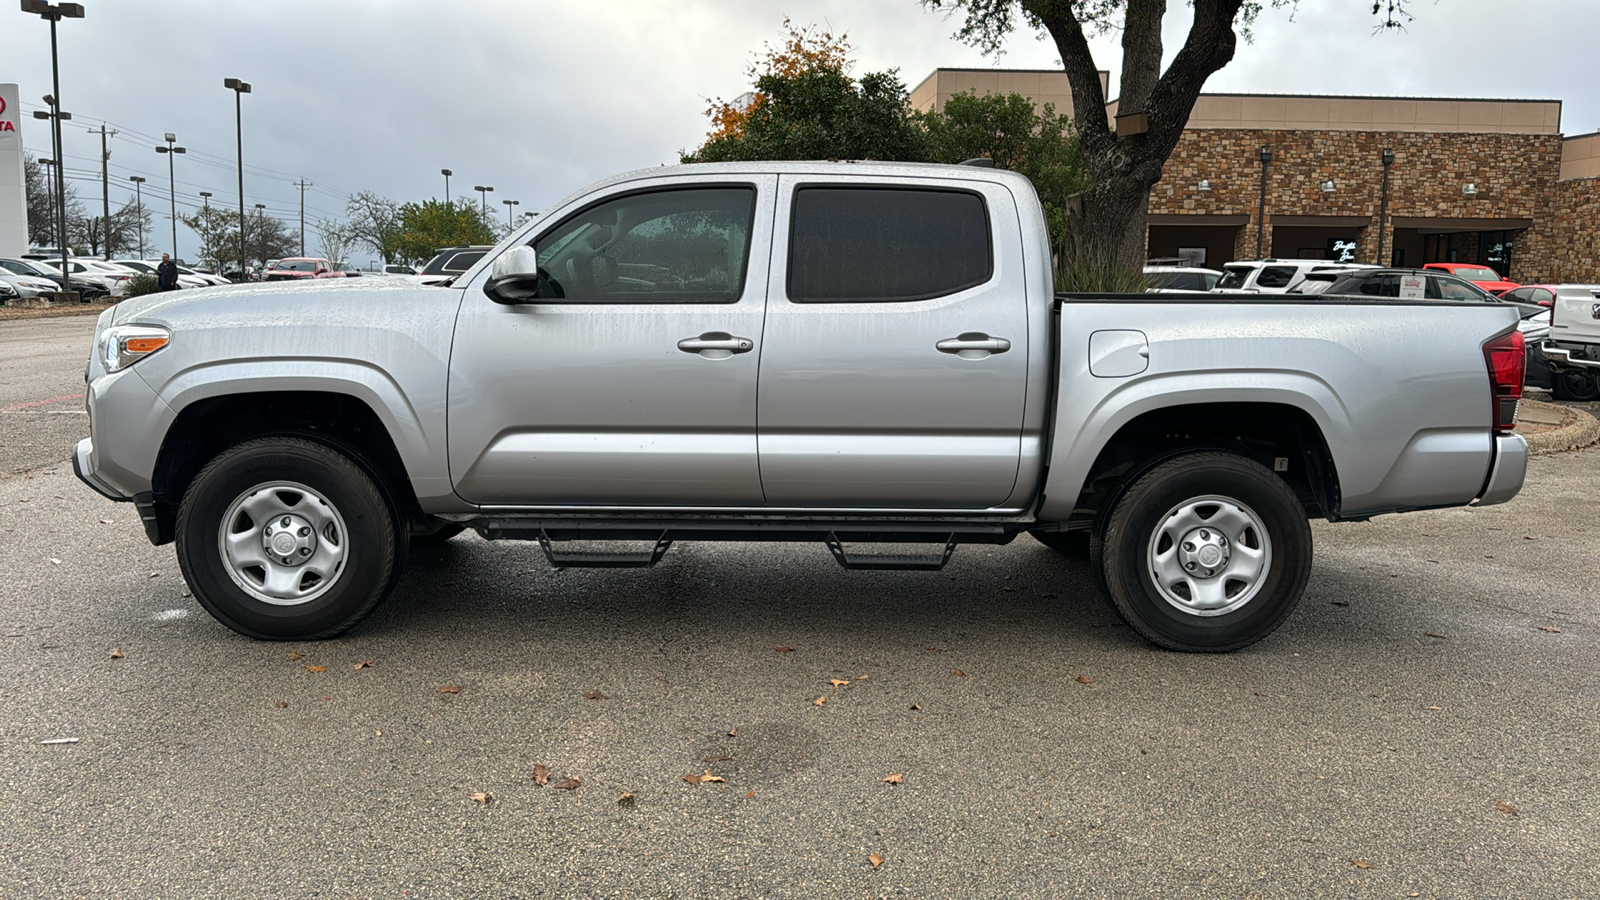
column 981, row 162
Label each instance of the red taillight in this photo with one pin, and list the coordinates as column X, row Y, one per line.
column 1507, row 358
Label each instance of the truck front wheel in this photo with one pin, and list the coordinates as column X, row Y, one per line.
column 287, row 539
column 1207, row 552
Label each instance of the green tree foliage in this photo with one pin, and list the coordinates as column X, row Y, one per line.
column 1010, row 130
column 425, row 227
column 807, row 106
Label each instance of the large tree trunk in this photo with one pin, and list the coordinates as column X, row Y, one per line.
column 1122, row 170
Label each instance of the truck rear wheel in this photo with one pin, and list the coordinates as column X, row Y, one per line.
column 1208, row 552
column 1574, row 384
column 287, row 539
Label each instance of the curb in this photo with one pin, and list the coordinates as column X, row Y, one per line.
column 1578, row 429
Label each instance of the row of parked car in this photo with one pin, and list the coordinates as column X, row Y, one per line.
column 1569, row 369
column 92, row 278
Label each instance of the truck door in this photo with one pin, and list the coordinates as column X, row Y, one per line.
column 894, row 369
column 633, row 383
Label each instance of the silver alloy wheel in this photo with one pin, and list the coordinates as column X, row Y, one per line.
column 283, row 543
column 1209, row 555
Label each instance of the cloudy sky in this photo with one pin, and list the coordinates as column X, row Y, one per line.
column 537, row 98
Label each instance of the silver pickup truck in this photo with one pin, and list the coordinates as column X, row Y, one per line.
column 856, row 354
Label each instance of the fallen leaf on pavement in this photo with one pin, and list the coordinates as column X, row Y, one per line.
column 116, row 653
column 916, row 706
column 820, row 700
column 482, row 797
column 108, row 522
column 1341, row 603
column 541, row 775
column 282, row 704
column 708, row 777
column 625, row 800
column 1433, row 634
column 932, row 649
column 1359, row 863
column 692, row 778
column 715, row 757
column 749, row 795
column 594, row 695
column 362, row 665
column 875, row 859
column 316, row 668
column 733, row 732
column 960, row 674
column 1549, row 630
column 1506, row 808
column 1084, row 679
column 896, row 778
column 837, row 682
column 296, row 655
column 782, row 649
column 450, row 689
column 55, row 561
column 1436, row 708
column 568, row 784
column 155, row 574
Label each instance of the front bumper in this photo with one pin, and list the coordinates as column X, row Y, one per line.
column 1509, row 469
column 83, row 467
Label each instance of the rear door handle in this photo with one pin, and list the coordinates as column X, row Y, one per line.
column 716, row 345
column 973, row 345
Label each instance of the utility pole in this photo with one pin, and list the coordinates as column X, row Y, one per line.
column 302, row 184
column 105, row 185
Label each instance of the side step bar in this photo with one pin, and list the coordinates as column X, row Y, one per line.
column 890, row 561
column 578, row 559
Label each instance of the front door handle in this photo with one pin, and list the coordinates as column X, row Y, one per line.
column 973, row 345
column 716, row 345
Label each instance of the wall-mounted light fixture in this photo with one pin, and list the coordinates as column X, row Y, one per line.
column 1470, row 189
column 1204, row 185
column 1329, row 187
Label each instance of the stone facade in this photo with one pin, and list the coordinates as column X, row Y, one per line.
column 1570, row 240
column 1514, row 176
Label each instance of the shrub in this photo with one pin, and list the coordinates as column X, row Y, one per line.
column 141, row 284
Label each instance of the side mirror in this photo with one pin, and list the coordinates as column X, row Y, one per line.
column 514, row 277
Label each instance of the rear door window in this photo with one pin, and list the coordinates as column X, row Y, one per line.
column 1234, row 278
column 1275, row 276
column 884, row 245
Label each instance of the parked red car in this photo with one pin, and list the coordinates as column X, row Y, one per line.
column 1542, row 294
column 1482, row 276
column 300, row 268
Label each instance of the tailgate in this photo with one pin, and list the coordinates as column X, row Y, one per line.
column 1577, row 314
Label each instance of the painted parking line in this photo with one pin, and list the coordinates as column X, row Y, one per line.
column 33, row 403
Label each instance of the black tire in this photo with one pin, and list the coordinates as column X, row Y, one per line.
column 1206, row 613
column 358, row 543
column 1067, row 543
column 437, row 538
column 1578, row 385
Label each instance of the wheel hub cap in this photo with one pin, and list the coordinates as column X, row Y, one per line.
column 289, row 540
column 1209, row 556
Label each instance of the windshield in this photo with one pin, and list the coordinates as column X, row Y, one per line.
column 296, row 265
column 1472, row 273
column 1234, row 277
column 1182, row 281
column 453, row 261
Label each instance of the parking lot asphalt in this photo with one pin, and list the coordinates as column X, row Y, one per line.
column 1424, row 725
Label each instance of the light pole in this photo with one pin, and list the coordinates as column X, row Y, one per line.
column 105, row 184
column 483, row 192
column 172, row 186
column 1261, row 215
column 53, row 14
column 57, row 225
column 205, row 197
column 446, row 173
column 509, row 204
column 138, row 193
column 239, row 88
column 1383, row 203
column 50, row 191
column 302, row 184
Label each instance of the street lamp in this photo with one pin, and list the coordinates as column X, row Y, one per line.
column 205, row 197
column 138, row 192
column 172, row 186
column 509, row 204
column 1383, row 203
column 483, row 193
column 239, row 88
column 53, row 14
column 50, row 191
column 57, row 225
column 446, row 173
column 1261, row 216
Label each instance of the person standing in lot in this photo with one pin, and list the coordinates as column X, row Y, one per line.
column 167, row 274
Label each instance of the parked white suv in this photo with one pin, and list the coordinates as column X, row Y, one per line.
column 1275, row 276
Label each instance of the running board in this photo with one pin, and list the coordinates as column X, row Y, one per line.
column 890, row 561
column 578, row 559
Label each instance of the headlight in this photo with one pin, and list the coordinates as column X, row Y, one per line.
column 124, row 345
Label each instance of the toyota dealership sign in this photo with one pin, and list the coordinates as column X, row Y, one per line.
column 13, row 193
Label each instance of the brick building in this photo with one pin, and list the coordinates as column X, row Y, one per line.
column 1481, row 181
